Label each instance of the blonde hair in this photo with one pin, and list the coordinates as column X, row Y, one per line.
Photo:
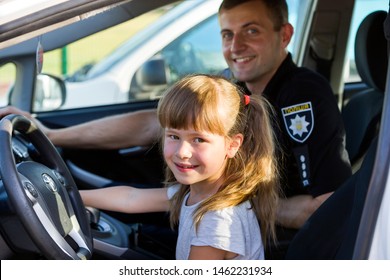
column 196, row 102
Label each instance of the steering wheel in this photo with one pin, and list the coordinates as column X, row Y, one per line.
column 44, row 195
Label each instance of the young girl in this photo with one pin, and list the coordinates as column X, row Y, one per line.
column 221, row 177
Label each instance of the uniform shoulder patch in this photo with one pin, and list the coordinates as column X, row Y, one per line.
column 299, row 121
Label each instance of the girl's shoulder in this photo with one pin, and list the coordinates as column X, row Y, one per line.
column 243, row 210
column 171, row 190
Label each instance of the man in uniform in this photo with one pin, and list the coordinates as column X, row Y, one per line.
column 308, row 124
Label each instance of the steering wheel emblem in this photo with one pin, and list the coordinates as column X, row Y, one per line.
column 49, row 182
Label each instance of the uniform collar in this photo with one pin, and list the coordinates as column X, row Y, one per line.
column 283, row 71
column 274, row 84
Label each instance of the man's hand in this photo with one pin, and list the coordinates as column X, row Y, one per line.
column 294, row 211
column 4, row 111
column 13, row 110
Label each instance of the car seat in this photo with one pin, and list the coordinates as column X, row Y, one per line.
column 361, row 114
column 331, row 232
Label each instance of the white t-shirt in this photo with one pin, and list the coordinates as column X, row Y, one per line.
column 234, row 229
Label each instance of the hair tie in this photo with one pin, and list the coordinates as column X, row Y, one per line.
column 247, row 99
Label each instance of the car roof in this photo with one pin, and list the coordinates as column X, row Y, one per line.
column 59, row 20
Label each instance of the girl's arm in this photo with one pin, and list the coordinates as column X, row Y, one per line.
column 127, row 199
column 209, row 253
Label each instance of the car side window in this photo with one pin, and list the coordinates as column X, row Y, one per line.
column 137, row 68
column 74, row 62
column 7, row 81
column 199, row 50
column 196, row 51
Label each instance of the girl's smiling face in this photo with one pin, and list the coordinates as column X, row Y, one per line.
column 197, row 158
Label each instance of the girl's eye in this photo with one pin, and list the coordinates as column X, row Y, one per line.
column 173, row 137
column 199, row 140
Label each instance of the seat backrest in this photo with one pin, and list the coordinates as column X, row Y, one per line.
column 331, row 232
column 361, row 114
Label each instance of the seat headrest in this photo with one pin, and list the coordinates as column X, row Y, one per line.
column 371, row 50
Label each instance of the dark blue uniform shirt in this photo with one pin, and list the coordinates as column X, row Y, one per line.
column 309, row 130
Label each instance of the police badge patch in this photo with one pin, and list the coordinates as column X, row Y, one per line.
column 299, row 121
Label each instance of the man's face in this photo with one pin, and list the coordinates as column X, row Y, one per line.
column 251, row 46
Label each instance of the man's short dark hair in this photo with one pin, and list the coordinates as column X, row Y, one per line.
column 277, row 8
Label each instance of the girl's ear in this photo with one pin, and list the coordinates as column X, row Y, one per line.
column 234, row 144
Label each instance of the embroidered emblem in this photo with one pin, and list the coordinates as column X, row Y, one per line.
column 299, row 121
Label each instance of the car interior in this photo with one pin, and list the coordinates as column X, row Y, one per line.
column 37, row 225
column 362, row 112
column 331, row 232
